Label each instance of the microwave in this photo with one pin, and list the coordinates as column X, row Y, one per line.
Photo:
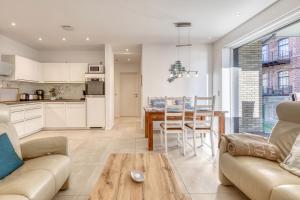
column 96, row 69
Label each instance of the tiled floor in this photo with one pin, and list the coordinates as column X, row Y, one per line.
column 197, row 175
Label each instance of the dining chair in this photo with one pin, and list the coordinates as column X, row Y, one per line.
column 174, row 121
column 203, row 118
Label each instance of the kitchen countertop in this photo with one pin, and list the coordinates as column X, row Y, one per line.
column 41, row 101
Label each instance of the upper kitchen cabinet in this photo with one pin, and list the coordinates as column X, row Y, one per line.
column 77, row 71
column 56, row 72
column 64, row 72
column 25, row 69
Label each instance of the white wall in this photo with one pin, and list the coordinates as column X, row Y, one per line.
column 261, row 24
column 109, row 86
column 9, row 46
column 156, row 61
column 121, row 68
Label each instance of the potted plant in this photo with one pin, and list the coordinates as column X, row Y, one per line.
column 53, row 93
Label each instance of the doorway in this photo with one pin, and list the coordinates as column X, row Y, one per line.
column 129, row 94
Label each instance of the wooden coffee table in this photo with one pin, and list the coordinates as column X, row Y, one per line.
column 115, row 182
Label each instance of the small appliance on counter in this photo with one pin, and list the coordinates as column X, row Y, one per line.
column 32, row 97
column 40, row 94
column 96, row 68
column 24, row 97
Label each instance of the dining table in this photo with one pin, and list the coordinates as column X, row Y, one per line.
column 157, row 114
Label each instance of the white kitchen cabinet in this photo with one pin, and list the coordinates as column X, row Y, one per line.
column 19, row 126
column 27, row 118
column 75, row 115
column 26, row 70
column 95, row 111
column 55, row 115
column 56, row 72
column 77, row 71
column 33, row 125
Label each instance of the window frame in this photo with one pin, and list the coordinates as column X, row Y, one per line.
column 285, row 47
column 283, row 78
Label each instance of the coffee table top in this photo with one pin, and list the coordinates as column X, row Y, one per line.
column 115, row 181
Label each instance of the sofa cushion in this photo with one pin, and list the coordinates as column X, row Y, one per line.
column 12, row 197
column 255, row 176
column 287, row 192
column 34, row 185
column 9, row 160
column 283, row 136
column 288, row 127
column 57, row 165
column 292, row 162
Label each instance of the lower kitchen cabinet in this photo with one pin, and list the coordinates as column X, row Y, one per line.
column 55, row 115
column 75, row 115
column 27, row 119
column 65, row 115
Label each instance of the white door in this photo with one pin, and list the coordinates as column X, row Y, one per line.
column 128, row 94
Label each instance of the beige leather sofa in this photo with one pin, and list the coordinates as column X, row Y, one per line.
column 46, row 169
column 262, row 179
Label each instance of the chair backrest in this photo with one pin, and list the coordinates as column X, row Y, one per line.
column 156, row 102
column 204, row 108
column 8, row 128
column 174, row 113
column 287, row 128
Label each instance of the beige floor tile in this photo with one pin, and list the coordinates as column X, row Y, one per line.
column 197, row 176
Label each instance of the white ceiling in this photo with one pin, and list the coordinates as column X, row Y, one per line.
column 121, row 21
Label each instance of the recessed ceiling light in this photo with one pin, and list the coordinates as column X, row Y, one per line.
column 127, row 50
column 237, row 14
column 128, row 59
column 67, row 27
column 63, row 39
column 87, row 39
column 13, row 24
column 40, row 39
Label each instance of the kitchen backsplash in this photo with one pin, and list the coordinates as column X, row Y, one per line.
column 68, row 91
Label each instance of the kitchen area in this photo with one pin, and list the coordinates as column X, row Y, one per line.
column 53, row 95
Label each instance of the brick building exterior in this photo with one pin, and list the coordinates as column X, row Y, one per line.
column 274, row 66
column 250, row 88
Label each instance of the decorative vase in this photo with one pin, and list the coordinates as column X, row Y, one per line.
column 52, row 98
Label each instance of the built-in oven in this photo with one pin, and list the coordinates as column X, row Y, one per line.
column 94, row 84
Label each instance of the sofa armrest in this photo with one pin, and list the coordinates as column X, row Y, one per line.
column 223, row 145
column 288, row 192
column 44, row 146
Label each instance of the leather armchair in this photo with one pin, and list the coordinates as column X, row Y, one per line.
column 46, row 168
column 262, row 179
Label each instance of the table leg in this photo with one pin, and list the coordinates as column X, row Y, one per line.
column 221, row 124
column 150, row 133
column 146, row 125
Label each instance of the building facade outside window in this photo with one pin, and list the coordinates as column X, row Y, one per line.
column 283, row 48
column 283, row 79
column 265, row 53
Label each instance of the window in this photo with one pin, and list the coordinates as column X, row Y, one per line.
column 265, row 53
column 265, row 80
column 283, row 79
column 283, row 48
